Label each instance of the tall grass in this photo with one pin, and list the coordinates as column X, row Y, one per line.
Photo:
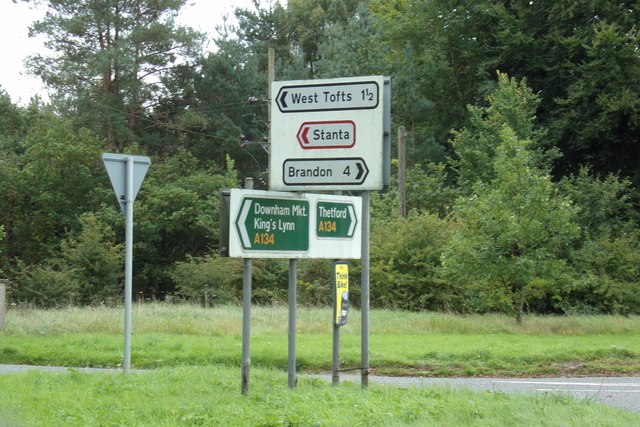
column 211, row 396
column 401, row 342
column 227, row 320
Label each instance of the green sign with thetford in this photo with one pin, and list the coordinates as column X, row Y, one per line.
column 335, row 220
column 273, row 224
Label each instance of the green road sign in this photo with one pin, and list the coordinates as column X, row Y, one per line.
column 273, row 224
column 335, row 220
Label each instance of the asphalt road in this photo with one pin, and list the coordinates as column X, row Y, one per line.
column 10, row 369
column 621, row 392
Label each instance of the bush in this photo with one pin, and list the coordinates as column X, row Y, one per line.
column 209, row 279
column 405, row 264
column 48, row 284
column 605, row 205
column 88, row 270
column 606, row 277
column 97, row 261
column 315, row 282
column 270, row 281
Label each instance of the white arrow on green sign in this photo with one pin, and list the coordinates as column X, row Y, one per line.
column 273, row 224
column 335, row 220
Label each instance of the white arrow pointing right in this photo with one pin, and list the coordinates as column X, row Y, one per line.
column 352, row 226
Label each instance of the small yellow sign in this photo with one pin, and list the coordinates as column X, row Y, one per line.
column 342, row 293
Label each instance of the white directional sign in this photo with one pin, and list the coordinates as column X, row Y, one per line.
column 326, row 172
column 336, row 134
column 270, row 224
column 330, row 96
column 328, row 134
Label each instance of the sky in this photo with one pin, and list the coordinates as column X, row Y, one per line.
column 16, row 45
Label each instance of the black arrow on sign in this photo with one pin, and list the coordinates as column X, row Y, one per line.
column 360, row 171
column 283, row 103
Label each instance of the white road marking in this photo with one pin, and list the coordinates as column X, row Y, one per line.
column 588, row 391
column 603, row 384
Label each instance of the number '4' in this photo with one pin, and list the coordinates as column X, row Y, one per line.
column 347, row 171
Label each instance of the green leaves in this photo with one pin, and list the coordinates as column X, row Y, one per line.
column 110, row 60
column 515, row 228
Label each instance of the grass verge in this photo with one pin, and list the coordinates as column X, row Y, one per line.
column 402, row 343
column 210, row 396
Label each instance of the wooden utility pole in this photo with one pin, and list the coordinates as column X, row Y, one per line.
column 402, row 170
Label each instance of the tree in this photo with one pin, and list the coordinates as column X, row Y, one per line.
column 96, row 260
column 515, row 229
column 111, row 60
column 177, row 215
column 53, row 175
column 351, row 49
column 223, row 115
column 308, row 21
column 580, row 56
column 435, row 51
column 264, row 28
column 511, row 104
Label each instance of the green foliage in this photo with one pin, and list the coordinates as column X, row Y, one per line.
column 351, row 49
column 603, row 264
column 405, row 264
column 511, row 104
column 2, row 234
column 96, row 261
column 111, row 60
column 88, row 270
column 262, row 28
column 271, row 278
column 50, row 181
column 308, row 20
column 315, row 282
column 210, row 278
column 606, row 277
column 428, row 39
column 131, row 75
column 598, row 114
column 209, row 395
column 605, row 205
column 514, row 233
column 581, row 57
column 221, row 117
column 515, row 228
column 50, row 283
column 177, row 214
column 429, row 189
column 12, row 119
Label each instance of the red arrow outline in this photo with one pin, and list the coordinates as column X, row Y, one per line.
column 304, row 129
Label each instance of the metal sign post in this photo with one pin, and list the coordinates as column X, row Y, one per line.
column 126, row 174
column 246, row 315
column 293, row 301
column 364, row 296
column 340, row 310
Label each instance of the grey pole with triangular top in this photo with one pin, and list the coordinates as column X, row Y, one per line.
column 126, row 174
